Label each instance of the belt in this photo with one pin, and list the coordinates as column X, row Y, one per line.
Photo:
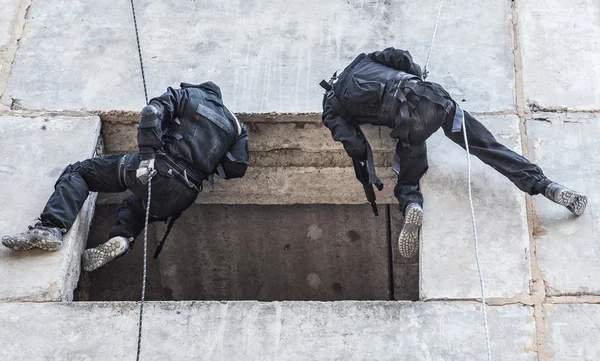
column 184, row 173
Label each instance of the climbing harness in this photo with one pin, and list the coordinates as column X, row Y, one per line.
column 464, row 129
column 139, row 343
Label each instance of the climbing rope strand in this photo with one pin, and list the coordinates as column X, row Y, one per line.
column 143, row 298
column 139, row 343
column 483, row 303
column 137, row 38
column 425, row 71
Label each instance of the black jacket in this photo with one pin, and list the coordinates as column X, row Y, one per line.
column 194, row 127
column 366, row 90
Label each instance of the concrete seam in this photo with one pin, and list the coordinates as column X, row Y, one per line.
column 524, row 300
column 576, row 299
column 18, row 25
column 538, row 289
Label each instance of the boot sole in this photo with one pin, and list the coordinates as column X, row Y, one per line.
column 27, row 244
column 95, row 258
column 575, row 202
column 578, row 204
column 408, row 241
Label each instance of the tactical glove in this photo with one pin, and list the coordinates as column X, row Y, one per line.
column 145, row 171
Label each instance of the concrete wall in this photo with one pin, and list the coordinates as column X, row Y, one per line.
column 253, row 252
column 529, row 70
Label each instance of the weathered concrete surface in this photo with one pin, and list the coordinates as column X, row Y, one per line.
column 448, row 267
column 567, row 147
column 266, row 331
column 250, row 252
column 12, row 19
column 28, row 170
column 285, row 141
column 293, row 160
column 573, row 331
column 561, row 53
column 267, row 56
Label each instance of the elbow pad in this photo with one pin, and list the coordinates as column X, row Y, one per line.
column 150, row 117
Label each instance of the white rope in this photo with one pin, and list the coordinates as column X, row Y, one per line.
column 483, row 303
column 485, row 320
column 139, row 343
column 425, row 71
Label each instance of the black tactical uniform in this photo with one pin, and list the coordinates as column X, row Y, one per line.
column 384, row 88
column 190, row 134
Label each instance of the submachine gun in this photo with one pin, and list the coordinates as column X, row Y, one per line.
column 362, row 174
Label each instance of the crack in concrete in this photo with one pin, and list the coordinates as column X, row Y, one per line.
column 17, row 27
column 576, row 299
column 521, row 299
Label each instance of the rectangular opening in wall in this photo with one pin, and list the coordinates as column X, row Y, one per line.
column 260, row 252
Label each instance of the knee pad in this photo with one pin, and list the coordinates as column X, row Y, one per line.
column 70, row 169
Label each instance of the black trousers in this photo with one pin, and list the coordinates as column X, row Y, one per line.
column 114, row 174
column 527, row 176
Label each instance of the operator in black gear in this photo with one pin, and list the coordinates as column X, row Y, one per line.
column 387, row 88
column 184, row 137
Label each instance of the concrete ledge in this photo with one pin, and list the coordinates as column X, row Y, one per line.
column 35, row 150
column 283, row 140
column 277, row 331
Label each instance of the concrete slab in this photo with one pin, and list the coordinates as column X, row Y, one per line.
column 35, row 151
column 279, row 331
column 249, row 252
column 293, row 160
column 561, row 61
column 567, row 147
column 12, row 18
column 448, row 267
column 573, row 331
column 267, row 56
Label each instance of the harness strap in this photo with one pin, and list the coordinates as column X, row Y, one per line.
column 402, row 130
column 183, row 172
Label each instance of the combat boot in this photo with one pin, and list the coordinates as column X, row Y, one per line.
column 38, row 236
column 95, row 258
column 408, row 242
column 574, row 201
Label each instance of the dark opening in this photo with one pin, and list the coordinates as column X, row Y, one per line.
column 261, row 252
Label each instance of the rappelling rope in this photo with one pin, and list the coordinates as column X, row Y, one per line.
column 137, row 38
column 483, row 305
column 425, row 69
column 464, row 129
column 139, row 342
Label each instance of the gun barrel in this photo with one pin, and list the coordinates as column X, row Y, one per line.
column 374, row 207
